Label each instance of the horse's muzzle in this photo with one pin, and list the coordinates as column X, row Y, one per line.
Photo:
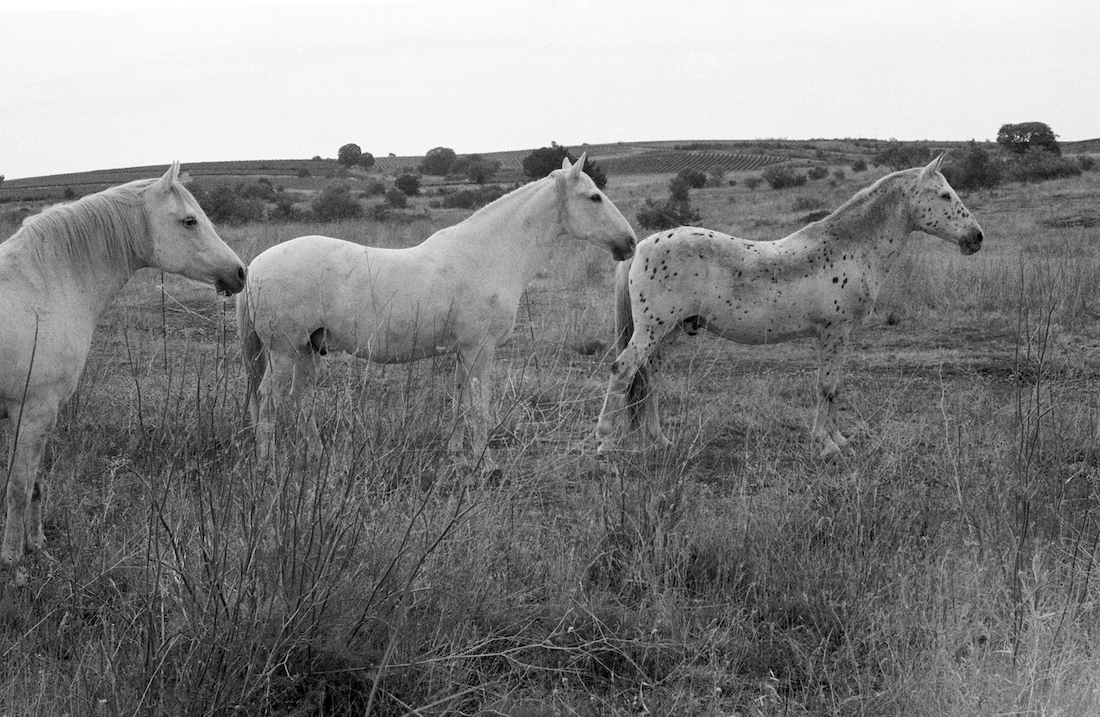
column 972, row 243
column 622, row 253
column 231, row 286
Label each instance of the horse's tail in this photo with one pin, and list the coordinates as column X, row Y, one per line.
column 638, row 391
column 253, row 354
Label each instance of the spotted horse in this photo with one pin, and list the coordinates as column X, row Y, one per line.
column 820, row 281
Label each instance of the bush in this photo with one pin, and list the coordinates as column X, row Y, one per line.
column 678, row 189
column 471, row 198
column 974, row 168
column 780, row 177
column 284, row 207
column 1039, row 165
column 667, row 215
column 859, row 166
column 397, row 198
column 336, row 203
column 693, row 177
column 408, row 183
column 818, row 172
column 375, row 189
column 897, row 155
column 1086, row 162
column 804, row 202
column 753, row 182
column 261, row 189
column 224, row 206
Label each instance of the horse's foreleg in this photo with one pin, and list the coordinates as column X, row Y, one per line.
column 474, row 393
column 25, row 493
column 833, row 348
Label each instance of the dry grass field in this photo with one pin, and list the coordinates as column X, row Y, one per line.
column 947, row 567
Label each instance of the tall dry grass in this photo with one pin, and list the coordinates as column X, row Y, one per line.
column 945, row 568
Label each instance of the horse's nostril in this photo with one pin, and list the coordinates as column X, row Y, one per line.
column 240, row 273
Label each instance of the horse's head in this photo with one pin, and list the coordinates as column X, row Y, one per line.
column 587, row 213
column 937, row 210
column 184, row 240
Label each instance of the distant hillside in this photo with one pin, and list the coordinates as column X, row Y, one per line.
column 620, row 158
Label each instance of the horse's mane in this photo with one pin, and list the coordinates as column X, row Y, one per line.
column 867, row 199
column 111, row 224
column 528, row 188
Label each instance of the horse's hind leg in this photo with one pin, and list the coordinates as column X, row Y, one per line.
column 291, row 377
column 833, row 347
column 616, row 405
column 651, row 403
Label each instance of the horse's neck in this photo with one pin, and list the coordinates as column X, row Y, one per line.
column 89, row 278
column 877, row 219
column 518, row 228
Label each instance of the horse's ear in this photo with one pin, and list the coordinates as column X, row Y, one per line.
column 578, row 165
column 565, row 164
column 170, row 177
column 933, row 166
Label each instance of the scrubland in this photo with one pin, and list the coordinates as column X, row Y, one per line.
column 945, row 567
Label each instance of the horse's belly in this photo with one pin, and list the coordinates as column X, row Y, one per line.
column 754, row 327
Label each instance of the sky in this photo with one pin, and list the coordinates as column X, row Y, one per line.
column 130, row 83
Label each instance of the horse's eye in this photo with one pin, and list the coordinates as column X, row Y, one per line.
column 596, row 198
column 190, row 221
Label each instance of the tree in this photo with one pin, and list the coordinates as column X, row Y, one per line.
column 1021, row 137
column 408, row 183
column 694, row 178
column 366, row 160
column 545, row 160
column 349, row 155
column 438, row 161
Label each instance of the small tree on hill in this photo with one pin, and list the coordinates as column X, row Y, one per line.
column 545, row 160
column 349, row 155
column 408, row 183
column 694, row 178
column 437, row 162
column 1021, row 137
column 366, row 160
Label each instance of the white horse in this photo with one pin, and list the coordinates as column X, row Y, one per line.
column 57, row 275
column 819, row 281
column 457, row 292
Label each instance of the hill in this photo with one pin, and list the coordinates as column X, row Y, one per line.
column 620, row 158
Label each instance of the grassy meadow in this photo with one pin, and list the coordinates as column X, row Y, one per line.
column 944, row 568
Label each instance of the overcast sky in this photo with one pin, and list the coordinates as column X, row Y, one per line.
column 136, row 83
